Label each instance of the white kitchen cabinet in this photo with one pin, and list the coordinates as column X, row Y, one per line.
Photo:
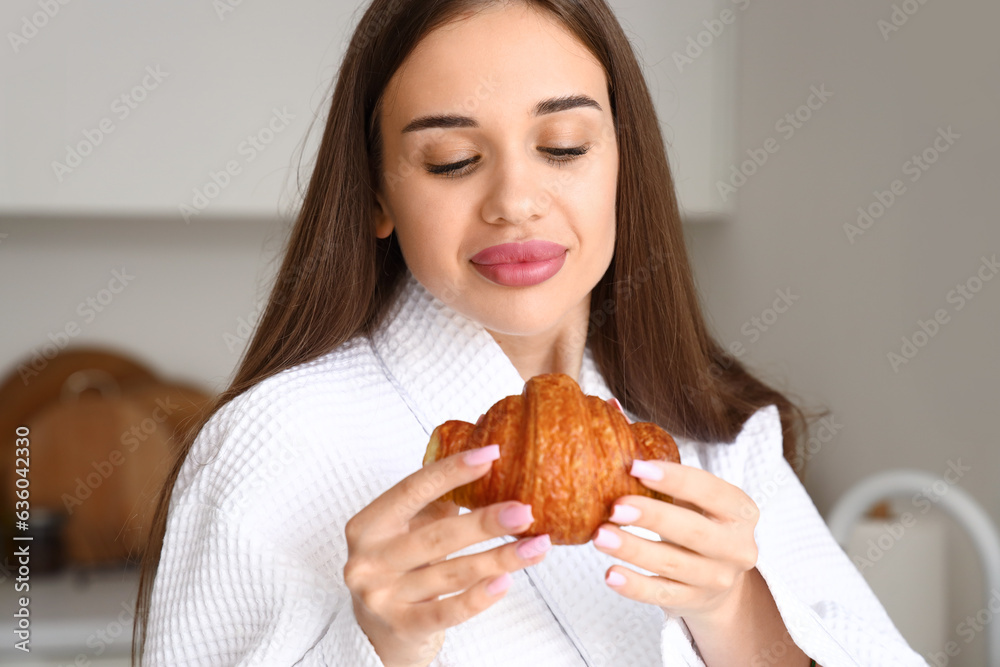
column 137, row 109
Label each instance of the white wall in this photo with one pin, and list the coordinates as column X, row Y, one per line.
column 184, row 304
column 857, row 300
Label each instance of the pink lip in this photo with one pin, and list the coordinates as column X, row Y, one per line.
column 520, row 264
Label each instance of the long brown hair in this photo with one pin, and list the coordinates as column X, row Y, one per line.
column 646, row 330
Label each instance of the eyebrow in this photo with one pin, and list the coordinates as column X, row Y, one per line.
column 545, row 107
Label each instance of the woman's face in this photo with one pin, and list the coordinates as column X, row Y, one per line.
column 507, row 166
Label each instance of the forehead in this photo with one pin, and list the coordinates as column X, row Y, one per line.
column 494, row 61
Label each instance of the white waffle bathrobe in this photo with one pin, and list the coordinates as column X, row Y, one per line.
column 252, row 563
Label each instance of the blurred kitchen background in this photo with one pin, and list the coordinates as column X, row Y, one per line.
column 836, row 162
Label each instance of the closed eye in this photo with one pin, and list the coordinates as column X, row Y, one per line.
column 554, row 156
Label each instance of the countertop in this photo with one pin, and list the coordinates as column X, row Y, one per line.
column 80, row 617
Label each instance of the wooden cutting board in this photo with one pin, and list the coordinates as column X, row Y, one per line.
column 104, row 433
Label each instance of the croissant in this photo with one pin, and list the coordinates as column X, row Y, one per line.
column 566, row 454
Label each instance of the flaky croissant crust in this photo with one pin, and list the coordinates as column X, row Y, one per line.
column 566, row 454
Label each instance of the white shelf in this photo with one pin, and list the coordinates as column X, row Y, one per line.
column 71, row 615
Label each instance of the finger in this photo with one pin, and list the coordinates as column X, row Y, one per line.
column 660, row 591
column 662, row 559
column 678, row 525
column 436, row 615
column 613, row 402
column 434, row 511
column 448, row 535
column 458, row 574
column 393, row 510
column 713, row 495
column 438, row 509
column 688, row 506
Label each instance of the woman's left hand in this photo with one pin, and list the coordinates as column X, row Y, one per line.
column 707, row 548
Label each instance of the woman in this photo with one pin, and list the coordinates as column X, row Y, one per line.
column 516, row 217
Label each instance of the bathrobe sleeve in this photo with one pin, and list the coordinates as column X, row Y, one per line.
column 231, row 597
column 828, row 608
column 251, row 569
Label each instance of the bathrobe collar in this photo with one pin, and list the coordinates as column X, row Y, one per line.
column 446, row 365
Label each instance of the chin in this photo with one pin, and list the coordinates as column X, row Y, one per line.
column 524, row 318
column 518, row 328
column 515, row 311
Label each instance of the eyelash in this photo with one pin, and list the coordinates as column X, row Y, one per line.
column 456, row 170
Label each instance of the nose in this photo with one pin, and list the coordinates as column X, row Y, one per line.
column 518, row 190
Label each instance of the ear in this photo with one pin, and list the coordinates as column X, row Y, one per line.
column 383, row 220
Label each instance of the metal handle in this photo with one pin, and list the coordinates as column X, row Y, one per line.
column 90, row 378
column 954, row 500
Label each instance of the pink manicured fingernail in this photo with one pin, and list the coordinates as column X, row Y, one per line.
column 614, row 401
column 480, row 420
column 614, row 579
column 534, row 547
column 475, row 457
column 625, row 514
column 500, row 584
column 645, row 470
column 607, row 539
column 515, row 516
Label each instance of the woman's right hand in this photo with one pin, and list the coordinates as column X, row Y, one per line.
column 396, row 558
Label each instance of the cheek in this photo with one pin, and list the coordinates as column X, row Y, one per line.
column 428, row 227
column 609, row 179
column 608, row 195
column 592, row 200
column 420, row 240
